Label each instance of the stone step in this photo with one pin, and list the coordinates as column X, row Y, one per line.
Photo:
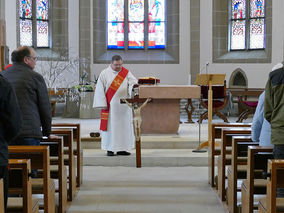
column 153, row 142
column 149, row 144
column 150, row 158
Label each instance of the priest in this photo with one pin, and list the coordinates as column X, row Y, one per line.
column 114, row 83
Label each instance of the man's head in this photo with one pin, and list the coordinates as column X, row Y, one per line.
column 24, row 55
column 116, row 63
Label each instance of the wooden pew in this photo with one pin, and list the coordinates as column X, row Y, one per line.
column 39, row 156
column 236, row 169
column 254, row 184
column 226, row 141
column 20, row 183
column 69, row 159
column 78, row 151
column 60, row 171
column 272, row 204
column 212, row 151
column 2, row 206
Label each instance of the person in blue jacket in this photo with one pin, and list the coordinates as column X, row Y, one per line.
column 260, row 128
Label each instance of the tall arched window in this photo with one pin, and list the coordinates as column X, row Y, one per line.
column 143, row 28
column 247, row 24
column 34, row 23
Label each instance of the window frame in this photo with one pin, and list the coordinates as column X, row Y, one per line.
column 146, row 28
column 247, row 20
column 34, row 20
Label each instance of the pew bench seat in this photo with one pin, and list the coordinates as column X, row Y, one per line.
column 262, row 205
column 15, row 204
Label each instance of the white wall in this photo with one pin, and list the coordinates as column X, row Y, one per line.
column 257, row 74
column 168, row 73
column 11, row 33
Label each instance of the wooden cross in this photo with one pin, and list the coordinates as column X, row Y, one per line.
column 133, row 103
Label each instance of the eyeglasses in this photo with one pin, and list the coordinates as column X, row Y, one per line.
column 34, row 58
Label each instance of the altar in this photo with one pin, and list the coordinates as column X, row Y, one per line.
column 162, row 115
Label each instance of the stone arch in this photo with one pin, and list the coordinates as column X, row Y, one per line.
column 238, row 79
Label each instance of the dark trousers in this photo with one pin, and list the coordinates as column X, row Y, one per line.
column 27, row 142
column 5, row 174
column 278, row 153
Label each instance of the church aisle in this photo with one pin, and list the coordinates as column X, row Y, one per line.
column 145, row 190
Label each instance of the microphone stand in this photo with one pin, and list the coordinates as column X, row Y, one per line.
column 199, row 123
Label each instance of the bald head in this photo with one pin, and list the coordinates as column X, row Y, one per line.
column 24, row 54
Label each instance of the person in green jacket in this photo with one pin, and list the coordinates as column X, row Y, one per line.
column 274, row 112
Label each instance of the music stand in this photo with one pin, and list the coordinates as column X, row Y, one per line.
column 209, row 79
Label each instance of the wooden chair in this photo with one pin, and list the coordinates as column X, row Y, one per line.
column 78, row 152
column 245, row 106
column 272, row 204
column 20, row 184
column 212, row 151
column 254, row 183
column 40, row 160
column 248, row 107
column 220, row 100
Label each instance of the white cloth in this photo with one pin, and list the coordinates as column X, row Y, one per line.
column 120, row 134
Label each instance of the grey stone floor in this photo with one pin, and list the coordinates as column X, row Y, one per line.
column 145, row 190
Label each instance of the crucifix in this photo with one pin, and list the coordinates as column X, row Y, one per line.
column 133, row 103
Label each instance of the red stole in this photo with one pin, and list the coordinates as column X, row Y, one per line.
column 109, row 94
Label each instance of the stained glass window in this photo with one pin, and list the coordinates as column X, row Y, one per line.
column 143, row 17
column 115, row 24
column 156, row 29
column 136, row 24
column 247, row 32
column 34, row 28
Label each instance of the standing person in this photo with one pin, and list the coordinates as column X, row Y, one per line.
column 260, row 128
column 32, row 97
column 274, row 112
column 114, row 83
column 10, row 125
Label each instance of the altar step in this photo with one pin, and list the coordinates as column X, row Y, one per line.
column 153, row 142
column 150, row 158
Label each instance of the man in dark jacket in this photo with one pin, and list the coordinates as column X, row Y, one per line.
column 10, row 125
column 32, row 97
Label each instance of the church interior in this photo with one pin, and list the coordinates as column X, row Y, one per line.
column 201, row 65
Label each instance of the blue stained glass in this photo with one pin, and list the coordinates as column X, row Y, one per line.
column 115, row 10
column 238, row 9
column 136, row 10
column 25, row 10
column 42, row 9
column 156, row 10
column 257, row 8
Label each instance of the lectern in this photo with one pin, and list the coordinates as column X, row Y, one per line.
column 209, row 79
